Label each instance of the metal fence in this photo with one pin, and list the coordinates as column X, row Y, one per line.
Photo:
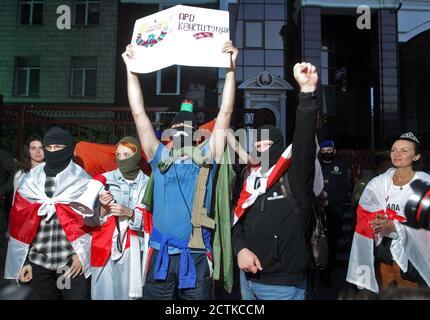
column 101, row 124
column 107, row 124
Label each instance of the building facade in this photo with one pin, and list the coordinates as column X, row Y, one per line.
column 373, row 79
column 40, row 63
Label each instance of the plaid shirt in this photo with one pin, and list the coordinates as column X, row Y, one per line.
column 50, row 248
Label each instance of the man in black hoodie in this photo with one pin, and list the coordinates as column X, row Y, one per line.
column 271, row 239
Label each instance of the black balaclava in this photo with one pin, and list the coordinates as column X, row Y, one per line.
column 57, row 161
column 130, row 167
column 271, row 155
column 183, row 135
column 183, row 116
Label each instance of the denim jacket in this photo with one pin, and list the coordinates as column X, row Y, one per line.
column 128, row 194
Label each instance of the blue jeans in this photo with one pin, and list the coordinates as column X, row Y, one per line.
column 168, row 289
column 256, row 291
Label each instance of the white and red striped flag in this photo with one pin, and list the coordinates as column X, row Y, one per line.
column 407, row 245
column 249, row 193
column 31, row 205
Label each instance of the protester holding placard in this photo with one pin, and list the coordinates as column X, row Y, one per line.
column 179, row 264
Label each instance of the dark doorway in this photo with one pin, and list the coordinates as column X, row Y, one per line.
column 414, row 80
column 346, row 78
column 423, row 109
column 265, row 116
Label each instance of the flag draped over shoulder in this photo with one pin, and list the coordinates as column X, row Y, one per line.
column 411, row 244
column 249, row 193
column 31, row 205
column 222, row 249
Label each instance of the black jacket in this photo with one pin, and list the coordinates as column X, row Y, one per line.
column 275, row 228
column 336, row 182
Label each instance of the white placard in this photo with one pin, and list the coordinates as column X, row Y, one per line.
column 182, row 35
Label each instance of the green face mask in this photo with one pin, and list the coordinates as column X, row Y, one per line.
column 130, row 167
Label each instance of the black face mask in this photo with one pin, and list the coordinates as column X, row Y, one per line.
column 57, row 161
column 183, row 137
column 327, row 156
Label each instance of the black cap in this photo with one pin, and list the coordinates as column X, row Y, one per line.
column 183, row 116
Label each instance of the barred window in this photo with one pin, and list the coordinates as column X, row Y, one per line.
column 87, row 12
column 31, row 12
column 83, row 82
column 27, row 77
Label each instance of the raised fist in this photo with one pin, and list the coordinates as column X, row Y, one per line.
column 306, row 76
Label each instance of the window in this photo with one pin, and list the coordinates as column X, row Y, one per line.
column 324, row 65
column 27, row 77
column 31, row 12
column 254, row 34
column 327, row 71
column 169, row 80
column 253, row 11
column 253, row 57
column 87, row 12
column 272, row 37
column 83, row 81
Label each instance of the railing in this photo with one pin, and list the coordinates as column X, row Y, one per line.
column 107, row 124
column 102, row 124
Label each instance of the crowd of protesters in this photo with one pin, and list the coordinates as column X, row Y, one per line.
column 151, row 237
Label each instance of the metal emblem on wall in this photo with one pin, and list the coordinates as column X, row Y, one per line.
column 264, row 79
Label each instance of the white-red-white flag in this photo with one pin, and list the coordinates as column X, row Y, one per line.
column 407, row 245
column 250, row 193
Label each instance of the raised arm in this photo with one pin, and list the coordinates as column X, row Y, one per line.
column 301, row 172
column 218, row 139
column 144, row 128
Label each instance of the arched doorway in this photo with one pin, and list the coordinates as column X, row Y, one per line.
column 268, row 115
column 267, row 92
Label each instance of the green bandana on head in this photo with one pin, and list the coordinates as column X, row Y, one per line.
column 130, row 167
column 185, row 114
